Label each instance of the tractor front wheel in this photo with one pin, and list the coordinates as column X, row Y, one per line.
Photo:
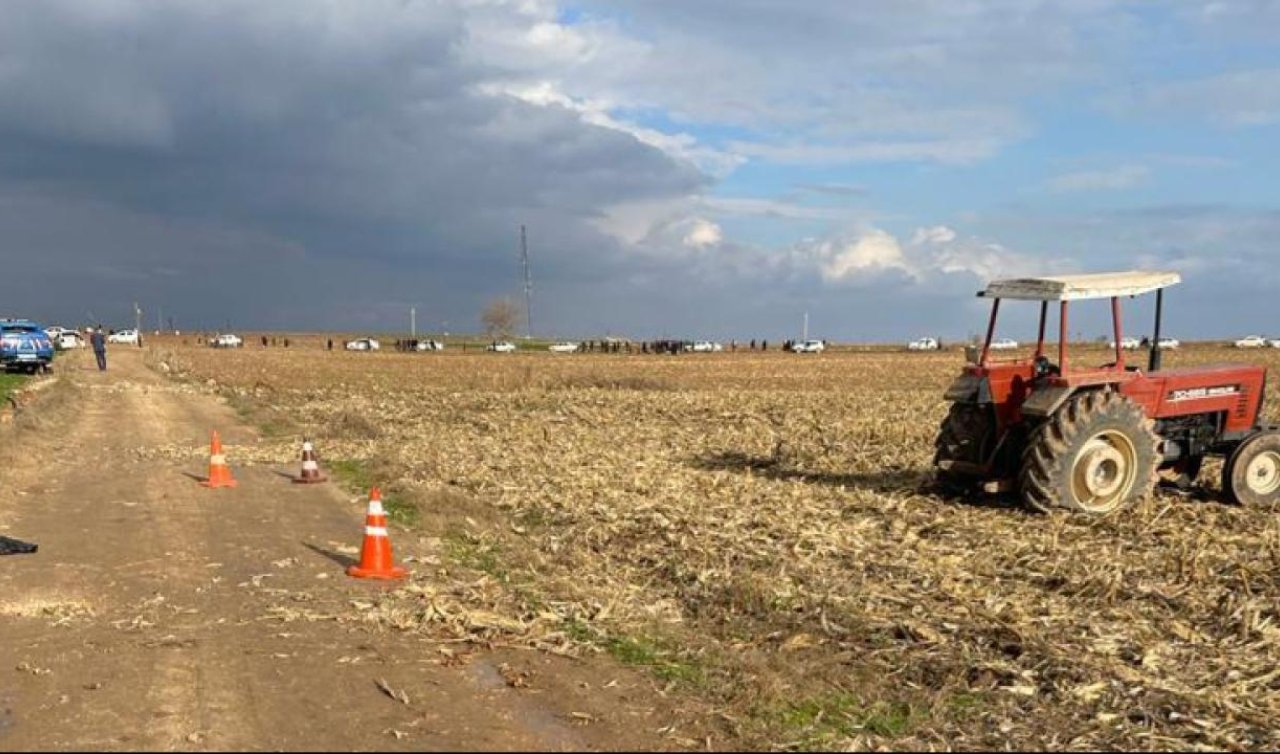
column 1251, row 476
column 1096, row 454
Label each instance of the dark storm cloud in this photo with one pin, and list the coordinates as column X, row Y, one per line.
column 245, row 157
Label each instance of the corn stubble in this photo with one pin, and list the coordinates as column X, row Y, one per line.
column 765, row 521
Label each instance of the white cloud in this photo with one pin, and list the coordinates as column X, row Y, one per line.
column 1113, row 179
column 932, row 253
column 936, row 234
column 960, row 151
column 874, row 252
column 703, row 234
column 681, row 146
column 752, row 206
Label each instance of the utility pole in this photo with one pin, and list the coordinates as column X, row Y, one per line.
column 137, row 322
column 806, row 326
column 528, row 285
column 413, row 322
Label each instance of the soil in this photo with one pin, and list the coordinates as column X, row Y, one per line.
column 147, row 618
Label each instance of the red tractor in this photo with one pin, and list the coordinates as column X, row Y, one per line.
column 1093, row 439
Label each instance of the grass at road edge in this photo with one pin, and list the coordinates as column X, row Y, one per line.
column 356, row 476
column 10, row 383
column 824, row 720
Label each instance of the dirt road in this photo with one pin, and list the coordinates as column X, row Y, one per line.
column 146, row 619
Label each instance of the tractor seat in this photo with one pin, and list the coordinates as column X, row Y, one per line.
column 1046, row 368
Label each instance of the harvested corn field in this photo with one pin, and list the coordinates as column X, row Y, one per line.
column 758, row 531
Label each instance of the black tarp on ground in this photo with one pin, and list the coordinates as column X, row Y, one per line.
column 15, row 547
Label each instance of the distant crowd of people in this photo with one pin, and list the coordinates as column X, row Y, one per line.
column 603, row 346
column 672, row 347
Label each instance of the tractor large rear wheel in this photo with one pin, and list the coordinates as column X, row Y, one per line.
column 1094, row 455
column 1251, row 476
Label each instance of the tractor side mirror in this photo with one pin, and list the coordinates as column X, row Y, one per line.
column 971, row 354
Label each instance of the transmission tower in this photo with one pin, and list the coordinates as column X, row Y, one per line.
column 528, row 284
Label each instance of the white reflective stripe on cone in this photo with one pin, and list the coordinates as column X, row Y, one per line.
column 375, row 508
column 306, row 447
column 218, row 460
column 375, row 531
column 310, row 466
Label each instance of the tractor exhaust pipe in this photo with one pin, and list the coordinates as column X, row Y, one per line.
column 1154, row 364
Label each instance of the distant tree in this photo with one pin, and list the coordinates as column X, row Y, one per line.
column 501, row 318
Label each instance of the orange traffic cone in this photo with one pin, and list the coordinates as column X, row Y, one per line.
column 376, row 561
column 219, row 472
column 310, row 469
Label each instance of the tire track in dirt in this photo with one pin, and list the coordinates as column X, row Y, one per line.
column 194, row 688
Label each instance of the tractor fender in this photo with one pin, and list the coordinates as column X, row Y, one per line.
column 1044, row 401
column 969, row 388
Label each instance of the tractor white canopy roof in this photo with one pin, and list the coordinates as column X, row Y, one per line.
column 1077, row 287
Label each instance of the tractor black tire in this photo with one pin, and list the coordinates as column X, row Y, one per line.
column 1251, row 474
column 966, row 435
column 1097, row 453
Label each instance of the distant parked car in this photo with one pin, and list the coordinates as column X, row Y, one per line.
column 1252, row 341
column 504, row 346
column 363, row 344
column 1170, row 343
column 1128, row 344
column 227, row 340
column 1004, row 344
column 430, row 345
column 68, row 340
column 129, row 337
column 923, row 344
column 24, row 346
column 563, row 347
column 809, row 346
column 706, row 346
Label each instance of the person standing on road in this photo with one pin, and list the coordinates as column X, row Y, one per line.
column 99, row 342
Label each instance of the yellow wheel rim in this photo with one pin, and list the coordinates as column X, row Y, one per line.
column 1104, row 471
column 1262, row 475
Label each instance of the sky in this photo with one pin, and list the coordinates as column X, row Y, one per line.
column 709, row 169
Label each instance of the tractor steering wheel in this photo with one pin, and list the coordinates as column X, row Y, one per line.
column 1045, row 368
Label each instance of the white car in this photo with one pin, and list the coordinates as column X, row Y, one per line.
column 56, row 332
column 505, row 346
column 809, row 346
column 706, row 346
column 363, row 344
column 1253, row 341
column 67, row 340
column 565, row 347
column 227, row 340
column 1004, row 344
column 124, row 336
column 1169, row 343
column 1128, row 344
column 430, row 345
column 923, row 344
